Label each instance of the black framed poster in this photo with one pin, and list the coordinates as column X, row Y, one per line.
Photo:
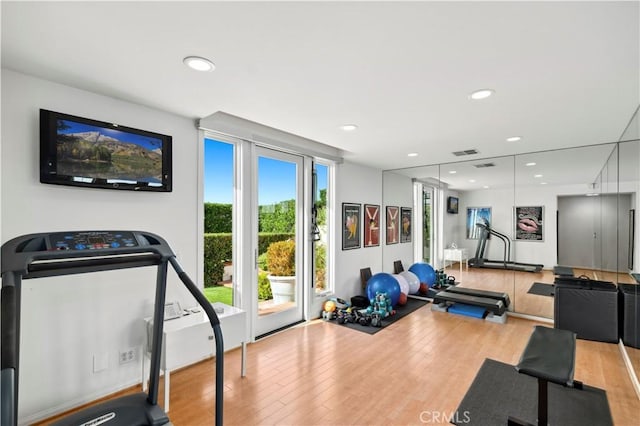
column 529, row 223
column 350, row 226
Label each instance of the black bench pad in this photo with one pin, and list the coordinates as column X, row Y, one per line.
column 481, row 293
column 550, row 355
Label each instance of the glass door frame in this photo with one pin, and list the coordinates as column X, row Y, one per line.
column 274, row 321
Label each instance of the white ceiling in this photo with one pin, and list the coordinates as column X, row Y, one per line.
column 564, row 73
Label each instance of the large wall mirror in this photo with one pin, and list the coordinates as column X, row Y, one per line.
column 629, row 239
column 572, row 207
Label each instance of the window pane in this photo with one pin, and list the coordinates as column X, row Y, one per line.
column 321, row 244
column 218, row 217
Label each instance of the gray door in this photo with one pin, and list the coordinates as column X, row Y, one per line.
column 577, row 231
column 588, row 233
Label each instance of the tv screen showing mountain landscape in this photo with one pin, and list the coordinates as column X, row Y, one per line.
column 90, row 151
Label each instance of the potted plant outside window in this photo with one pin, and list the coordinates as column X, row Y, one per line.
column 281, row 264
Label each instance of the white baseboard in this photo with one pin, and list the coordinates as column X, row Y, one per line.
column 530, row 317
column 630, row 369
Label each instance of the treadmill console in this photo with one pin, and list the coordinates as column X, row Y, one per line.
column 91, row 240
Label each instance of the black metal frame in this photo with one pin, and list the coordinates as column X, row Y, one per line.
column 31, row 256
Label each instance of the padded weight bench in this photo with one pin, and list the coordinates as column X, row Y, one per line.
column 549, row 356
column 481, row 293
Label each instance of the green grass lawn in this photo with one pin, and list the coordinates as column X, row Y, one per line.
column 219, row 294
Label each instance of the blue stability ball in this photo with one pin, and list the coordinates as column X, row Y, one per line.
column 426, row 274
column 384, row 283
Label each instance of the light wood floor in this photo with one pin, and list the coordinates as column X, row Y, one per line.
column 323, row 374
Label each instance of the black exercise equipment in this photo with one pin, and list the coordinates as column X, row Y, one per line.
column 65, row 253
column 480, row 262
column 504, row 297
column 629, row 311
column 365, row 274
column 586, row 307
column 550, row 357
column 494, row 306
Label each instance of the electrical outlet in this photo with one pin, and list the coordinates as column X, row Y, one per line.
column 127, row 355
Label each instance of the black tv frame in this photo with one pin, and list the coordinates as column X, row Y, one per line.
column 49, row 156
column 452, row 205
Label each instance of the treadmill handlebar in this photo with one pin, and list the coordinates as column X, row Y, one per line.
column 217, row 331
column 56, row 251
column 195, row 292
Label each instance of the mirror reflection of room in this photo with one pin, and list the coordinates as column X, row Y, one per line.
column 521, row 224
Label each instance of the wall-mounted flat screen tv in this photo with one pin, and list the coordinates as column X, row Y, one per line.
column 90, row 153
column 452, row 205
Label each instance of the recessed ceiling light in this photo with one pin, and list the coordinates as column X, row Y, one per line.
column 412, row 154
column 472, row 180
column 453, row 172
column 348, row 127
column 530, row 164
column 514, row 139
column 543, row 183
column 486, row 187
column 199, row 64
column 537, row 176
column 481, row 94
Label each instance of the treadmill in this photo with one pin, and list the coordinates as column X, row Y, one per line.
column 65, row 253
column 479, row 261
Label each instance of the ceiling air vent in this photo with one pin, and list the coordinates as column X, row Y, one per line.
column 465, row 152
column 483, row 165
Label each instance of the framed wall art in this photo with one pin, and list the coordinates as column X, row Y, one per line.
column 350, row 226
column 393, row 225
column 406, row 224
column 529, row 223
column 475, row 215
column 371, row 225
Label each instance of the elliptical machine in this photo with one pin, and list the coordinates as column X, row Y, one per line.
column 65, row 253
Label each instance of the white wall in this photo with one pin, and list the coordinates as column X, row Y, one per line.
column 363, row 185
column 68, row 320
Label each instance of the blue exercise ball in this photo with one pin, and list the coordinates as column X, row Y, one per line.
column 425, row 273
column 384, row 283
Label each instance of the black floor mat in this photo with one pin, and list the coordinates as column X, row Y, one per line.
column 499, row 391
column 542, row 289
column 401, row 311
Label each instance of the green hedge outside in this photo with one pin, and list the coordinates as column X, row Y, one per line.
column 217, row 218
column 217, row 251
